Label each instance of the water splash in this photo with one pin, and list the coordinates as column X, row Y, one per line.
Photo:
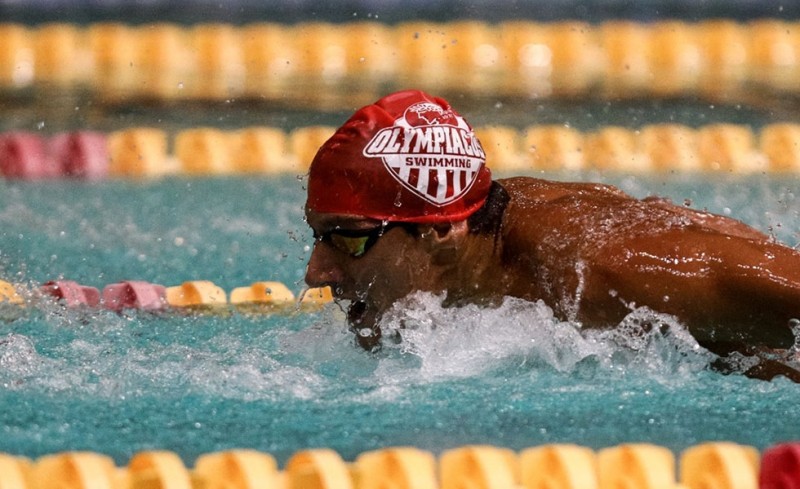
column 471, row 340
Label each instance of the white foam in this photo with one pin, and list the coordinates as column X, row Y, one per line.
column 17, row 355
column 467, row 341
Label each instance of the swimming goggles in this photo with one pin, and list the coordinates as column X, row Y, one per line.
column 355, row 242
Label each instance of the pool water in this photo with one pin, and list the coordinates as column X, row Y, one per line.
column 197, row 383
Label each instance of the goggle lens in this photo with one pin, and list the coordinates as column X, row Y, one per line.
column 353, row 246
column 355, row 242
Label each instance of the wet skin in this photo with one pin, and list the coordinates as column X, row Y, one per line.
column 593, row 254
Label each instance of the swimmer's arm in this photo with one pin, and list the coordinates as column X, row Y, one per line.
column 761, row 270
column 723, row 287
column 768, row 369
column 770, row 363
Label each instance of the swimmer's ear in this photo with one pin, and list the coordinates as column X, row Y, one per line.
column 443, row 240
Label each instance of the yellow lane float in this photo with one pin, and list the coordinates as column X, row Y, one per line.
column 316, row 296
column 16, row 56
column 219, row 67
column 157, row 469
column 729, row 148
column 780, row 144
column 643, row 466
column 112, row 46
column 58, row 58
column 236, row 469
column 304, row 143
column 15, row 472
column 554, row 148
column 138, row 152
column 558, row 467
column 260, row 150
column 273, row 293
column 481, row 466
column 196, row 293
column 163, row 61
column 399, row 468
column 614, row 148
column 317, row 469
column 203, row 151
column 721, row 465
column 76, row 470
column 9, row 294
column 263, row 297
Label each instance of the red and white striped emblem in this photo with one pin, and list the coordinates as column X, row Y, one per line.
column 431, row 151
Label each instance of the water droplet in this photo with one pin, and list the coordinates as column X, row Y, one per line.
column 794, row 325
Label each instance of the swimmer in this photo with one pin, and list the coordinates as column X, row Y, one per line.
column 400, row 200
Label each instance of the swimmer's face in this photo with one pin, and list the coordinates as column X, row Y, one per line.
column 370, row 263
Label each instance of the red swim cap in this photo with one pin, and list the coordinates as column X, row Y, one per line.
column 408, row 157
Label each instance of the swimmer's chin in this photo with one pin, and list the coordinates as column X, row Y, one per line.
column 363, row 321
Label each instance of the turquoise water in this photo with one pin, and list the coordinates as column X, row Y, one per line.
column 511, row 376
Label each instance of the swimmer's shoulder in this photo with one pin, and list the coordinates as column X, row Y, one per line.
column 532, row 190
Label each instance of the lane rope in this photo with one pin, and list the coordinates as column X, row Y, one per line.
column 723, row 465
column 151, row 153
column 162, row 61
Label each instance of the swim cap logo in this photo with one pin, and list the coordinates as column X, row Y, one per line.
column 427, row 113
column 431, row 151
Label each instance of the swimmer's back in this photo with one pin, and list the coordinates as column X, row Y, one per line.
column 595, row 207
column 593, row 253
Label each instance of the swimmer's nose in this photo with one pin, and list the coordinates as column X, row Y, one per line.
column 322, row 268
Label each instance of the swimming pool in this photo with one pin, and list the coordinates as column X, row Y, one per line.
column 197, row 383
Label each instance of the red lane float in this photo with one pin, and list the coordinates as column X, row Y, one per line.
column 25, row 155
column 780, row 467
column 134, row 294
column 82, row 154
column 30, row 156
column 71, row 294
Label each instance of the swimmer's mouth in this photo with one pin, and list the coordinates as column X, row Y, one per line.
column 368, row 336
column 355, row 313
